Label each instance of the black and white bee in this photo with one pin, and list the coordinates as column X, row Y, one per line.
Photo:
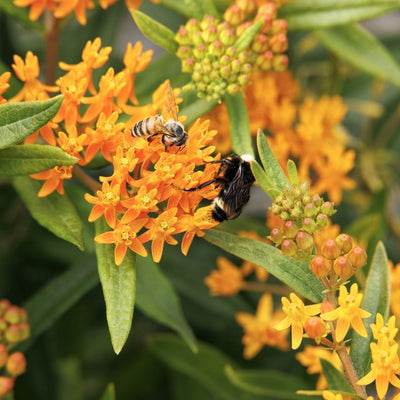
column 235, row 179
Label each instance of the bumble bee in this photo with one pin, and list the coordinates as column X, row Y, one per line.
column 172, row 131
column 235, row 178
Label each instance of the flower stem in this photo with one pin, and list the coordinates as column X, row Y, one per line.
column 86, row 179
column 52, row 40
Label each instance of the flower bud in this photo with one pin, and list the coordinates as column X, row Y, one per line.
column 248, row 6
column 12, row 315
column 6, row 385
column 280, row 62
column 210, row 34
column 328, row 208
column 192, row 25
column 197, row 38
column 315, row 328
column 275, row 209
column 260, row 43
column 16, row 364
column 288, row 247
column 330, row 249
column 284, row 216
column 268, row 8
column 233, row 88
column 242, row 28
column 326, row 306
column 4, row 304
column 322, row 220
column 267, row 19
column 278, row 43
column 13, row 333
column 234, row 15
column 310, row 210
column 345, row 242
column 287, row 204
column 230, row 51
column 309, row 225
column 243, row 79
column 225, row 72
column 3, row 355
column 296, row 212
column 358, row 257
column 265, row 60
column 216, row 48
column 183, row 52
column 320, row 266
column 182, row 36
column 276, row 235
column 343, row 267
column 290, row 229
column 304, row 240
column 227, row 37
column 25, row 330
column 207, row 21
column 187, row 65
column 279, row 26
column 296, row 191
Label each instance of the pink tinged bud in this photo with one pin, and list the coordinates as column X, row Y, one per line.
column 322, row 220
column 12, row 315
column 276, row 235
column 320, row 266
column 345, row 242
column 197, row 38
column 260, row 43
column 216, row 48
column 248, row 6
column 236, row 65
column 288, row 247
column 309, row 225
column 13, row 333
column 182, row 36
column 16, row 364
column 358, row 257
column 199, row 51
column 3, row 326
column 225, row 72
column 326, row 306
column 304, row 240
column 343, row 267
column 296, row 213
column 25, row 330
column 290, row 229
column 243, row 79
column 284, row 215
column 280, row 62
column 183, row 52
column 227, row 37
column 278, row 43
column 310, row 210
column 231, row 51
column 234, row 15
column 268, row 20
column 265, row 60
column 207, row 21
column 330, row 249
column 187, row 65
column 4, row 304
column 328, row 208
column 210, row 34
column 192, row 25
column 315, row 328
column 268, row 8
column 6, row 385
column 242, row 28
column 279, row 26
column 3, row 355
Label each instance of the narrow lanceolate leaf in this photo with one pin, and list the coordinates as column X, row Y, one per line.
column 57, row 297
column 19, row 120
column 357, row 46
column 248, row 35
column 315, row 14
column 270, row 164
column 375, row 300
column 109, row 393
column 55, row 212
column 205, row 367
column 271, row 384
column 295, row 274
column 118, row 283
column 199, row 8
column 335, row 379
column 29, row 159
column 158, row 33
column 239, row 125
column 292, row 172
column 156, row 297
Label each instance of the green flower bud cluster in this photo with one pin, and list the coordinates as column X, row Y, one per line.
column 303, row 214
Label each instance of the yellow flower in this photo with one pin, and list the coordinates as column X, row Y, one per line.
column 327, row 395
column 381, row 330
column 226, row 281
column 395, row 288
column 296, row 315
column 348, row 313
column 4, row 85
column 259, row 329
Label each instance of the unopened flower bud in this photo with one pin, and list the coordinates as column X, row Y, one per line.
column 4, row 304
column 183, row 52
column 304, row 240
column 227, row 37
column 248, row 6
column 320, row 266
column 3, row 326
column 290, row 228
column 23, row 315
column 280, row 62
column 326, row 306
column 309, row 225
column 197, row 38
column 322, row 220
column 296, row 212
column 207, row 22
column 243, row 79
column 233, row 88
column 265, row 60
column 231, row 51
column 330, row 249
column 278, row 43
column 234, row 15
column 242, row 28
column 225, row 71
column 328, row 208
column 279, row 26
column 284, row 215
column 192, row 25
column 315, row 328
column 12, row 315
column 6, row 385
column 343, row 267
column 182, row 36
column 260, row 43
column 3, row 355
column 16, row 364
column 306, row 198
column 236, row 65
column 288, row 247
column 25, row 330
column 210, row 34
column 267, row 19
column 276, row 235
column 187, row 65
column 13, row 333
column 296, row 191
column 216, row 48
column 358, row 257
column 287, row 204
column 310, row 210
column 268, row 8
column 345, row 242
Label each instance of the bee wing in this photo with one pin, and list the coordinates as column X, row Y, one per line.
column 170, row 110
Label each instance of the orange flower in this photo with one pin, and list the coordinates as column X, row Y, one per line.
column 72, row 143
column 4, row 85
column 37, row 7
column 78, row 6
column 394, row 288
column 54, row 179
column 124, row 236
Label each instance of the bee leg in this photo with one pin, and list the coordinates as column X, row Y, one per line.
column 203, row 185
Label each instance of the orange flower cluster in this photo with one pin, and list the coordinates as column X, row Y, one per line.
column 145, row 198
column 307, row 132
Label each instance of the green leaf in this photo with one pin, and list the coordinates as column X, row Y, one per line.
column 198, row 8
column 55, row 212
column 118, row 283
column 376, row 299
column 292, row 172
column 29, row 159
column 357, row 46
column 109, row 393
column 272, row 384
column 19, row 120
column 206, row 367
column 58, row 296
column 270, row 164
column 156, row 297
column 335, row 379
column 21, row 15
column 315, row 14
column 261, row 177
column 248, row 35
column 158, row 33
column 239, row 125
column 294, row 273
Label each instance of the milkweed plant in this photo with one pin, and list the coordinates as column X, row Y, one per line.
column 294, row 293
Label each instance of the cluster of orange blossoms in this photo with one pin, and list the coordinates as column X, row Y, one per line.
column 308, row 132
column 144, row 199
column 14, row 328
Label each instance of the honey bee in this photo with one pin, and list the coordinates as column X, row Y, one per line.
column 235, row 178
column 172, row 131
